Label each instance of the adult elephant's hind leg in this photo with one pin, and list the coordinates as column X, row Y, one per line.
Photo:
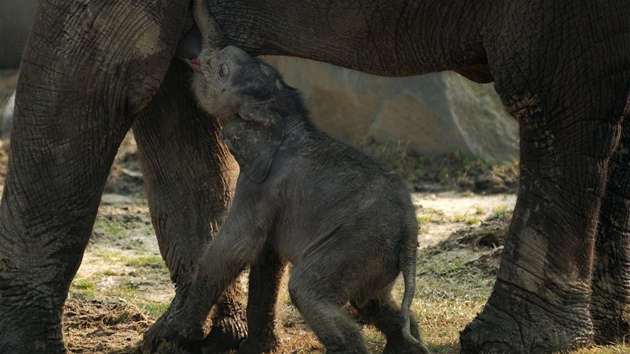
column 189, row 176
column 610, row 304
column 541, row 299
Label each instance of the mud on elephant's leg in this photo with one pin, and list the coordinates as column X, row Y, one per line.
column 189, row 175
column 610, row 303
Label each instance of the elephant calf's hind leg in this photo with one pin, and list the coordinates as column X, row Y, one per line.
column 323, row 313
column 386, row 316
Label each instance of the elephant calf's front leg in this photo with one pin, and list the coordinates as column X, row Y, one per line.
column 264, row 282
column 186, row 214
column 221, row 263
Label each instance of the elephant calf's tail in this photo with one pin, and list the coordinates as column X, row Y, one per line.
column 408, row 268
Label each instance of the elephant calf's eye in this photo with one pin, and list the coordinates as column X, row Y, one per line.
column 224, row 71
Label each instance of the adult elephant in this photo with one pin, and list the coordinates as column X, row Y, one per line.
column 93, row 69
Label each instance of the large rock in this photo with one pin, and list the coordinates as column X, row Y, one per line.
column 433, row 114
column 15, row 22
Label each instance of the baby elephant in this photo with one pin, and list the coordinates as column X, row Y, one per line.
column 345, row 223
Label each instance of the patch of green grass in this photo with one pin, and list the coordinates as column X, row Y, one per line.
column 441, row 320
column 472, row 220
column 449, row 294
column 84, row 287
column 423, row 229
column 149, row 266
column 109, row 228
column 459, row 218
column 468, row 220
column 424, row 219
column 500, row 211
column 152, row 261
column 154, row 309
column 431, row 216
column 612, row 349
column 448, row 274
column 127, row 290
column 109, row 254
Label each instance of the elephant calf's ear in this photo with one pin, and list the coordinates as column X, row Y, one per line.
column 254, row 137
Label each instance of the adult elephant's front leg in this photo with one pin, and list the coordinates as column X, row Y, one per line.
column 189, row 175
column 541, row 299
column 57, row 170
column 610, row 306
column 79, row 86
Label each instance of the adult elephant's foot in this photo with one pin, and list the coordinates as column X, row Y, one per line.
column 26, row 338
column 39, row 336
column 30, row 322
column 516, row 321
column 265, row 342
column 611, row 316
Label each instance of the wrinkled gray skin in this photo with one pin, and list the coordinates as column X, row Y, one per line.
column 93, row 69
column 345, row 223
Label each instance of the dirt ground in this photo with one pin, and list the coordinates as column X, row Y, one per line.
column 122, row 285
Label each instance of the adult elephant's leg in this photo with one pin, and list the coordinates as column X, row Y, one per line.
column 57, row 171
column 540, row 301
column 189, row 175
column 78, row 88
column 610, row 304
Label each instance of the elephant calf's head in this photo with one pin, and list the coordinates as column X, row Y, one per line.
column 248, row 96
column 228, row 80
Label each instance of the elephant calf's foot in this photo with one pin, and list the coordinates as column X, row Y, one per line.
column 170, row 332
column 514, row 321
